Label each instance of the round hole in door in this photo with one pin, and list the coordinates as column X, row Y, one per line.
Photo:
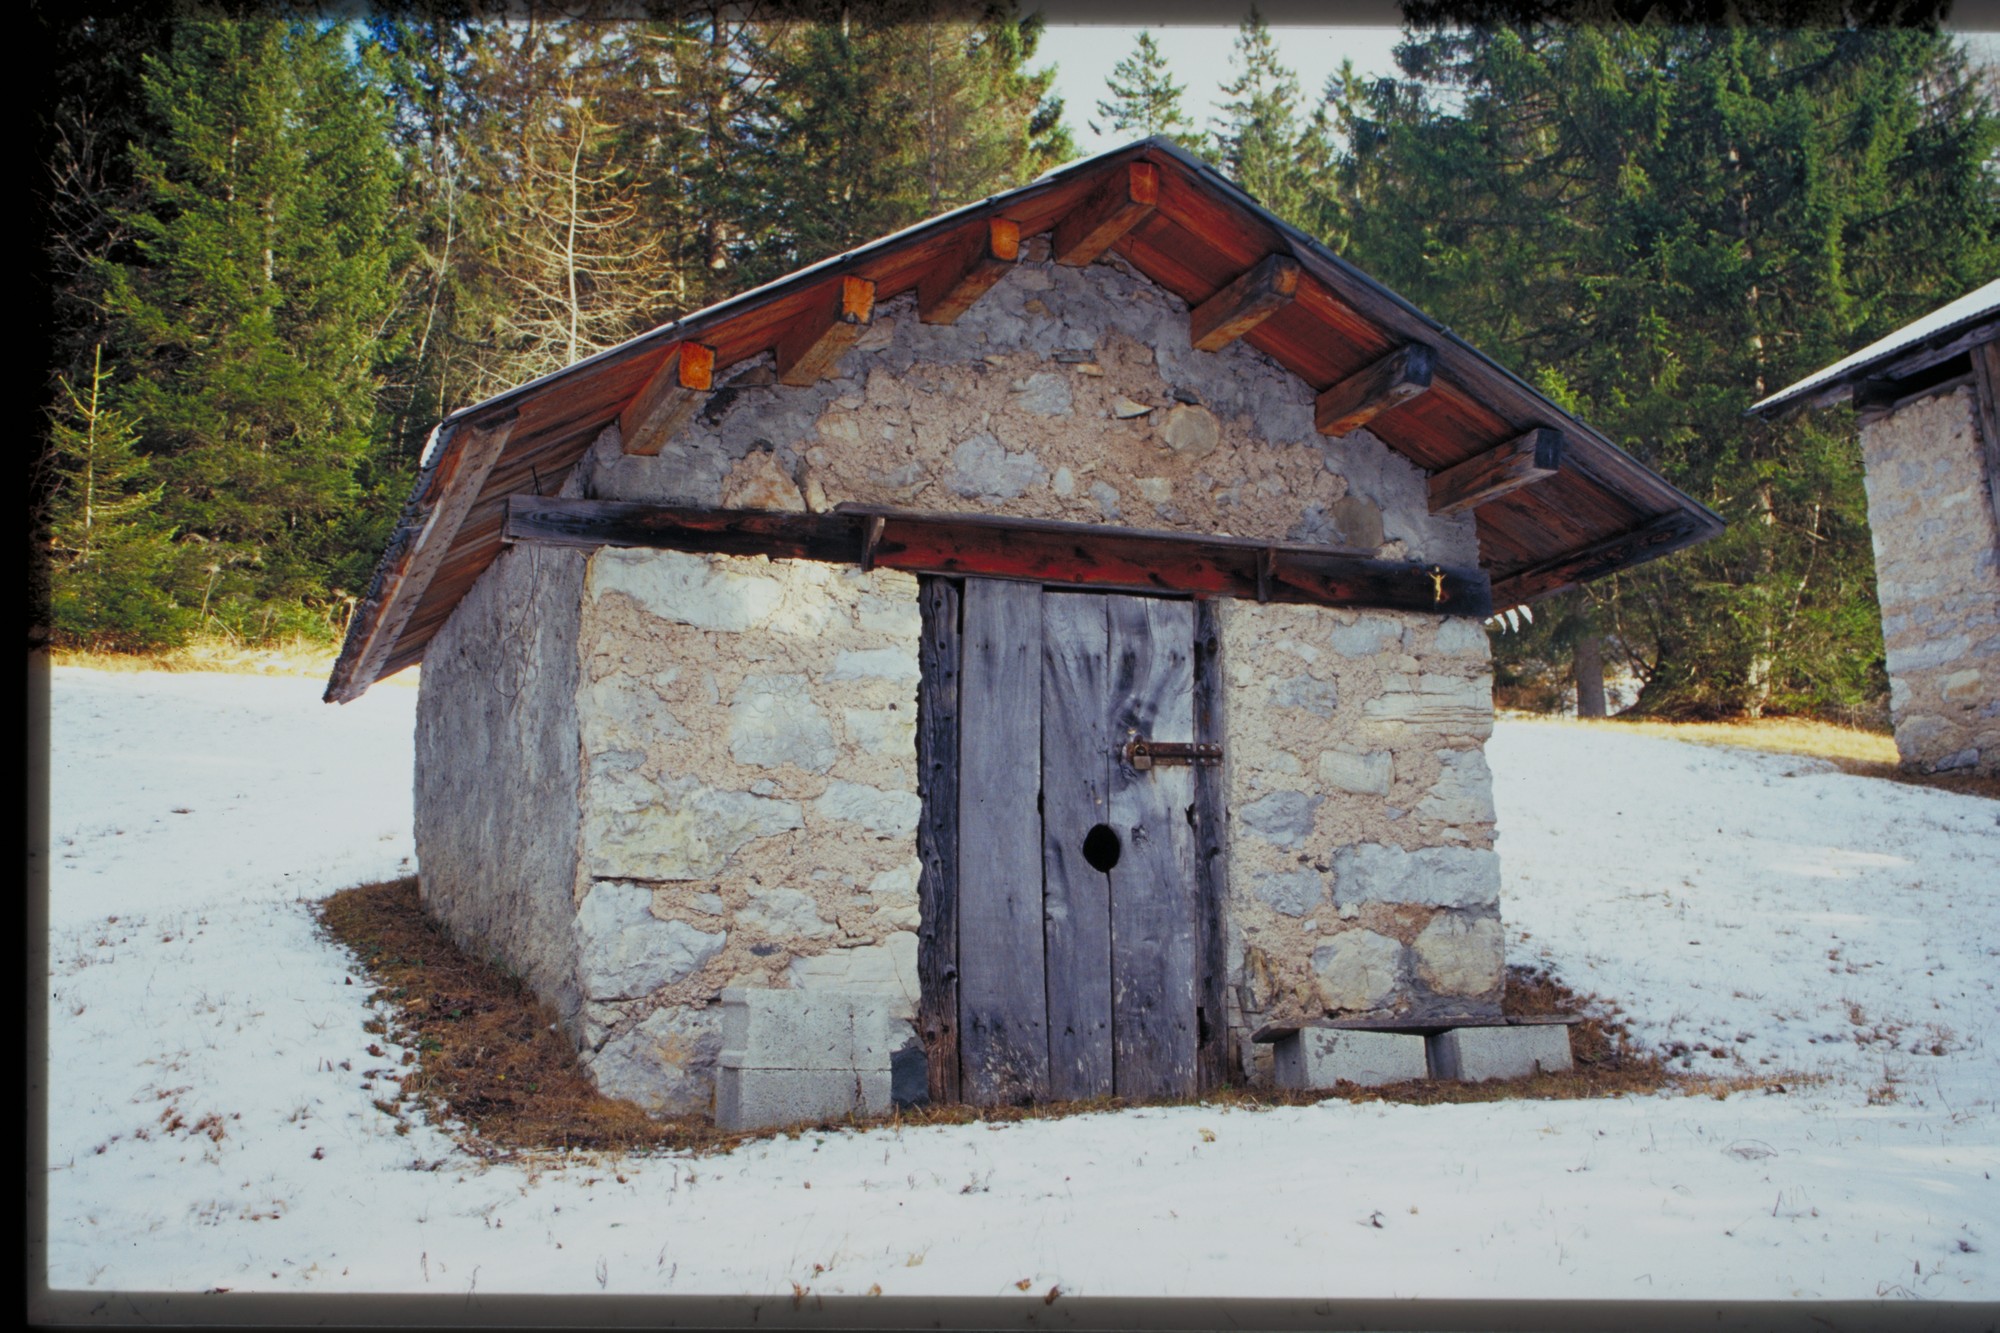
column 1100, row 848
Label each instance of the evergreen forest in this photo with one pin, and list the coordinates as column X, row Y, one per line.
column 276, row 251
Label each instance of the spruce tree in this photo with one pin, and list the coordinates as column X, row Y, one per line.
column 1266, row 142
column 1145, row 100
column 249, row 326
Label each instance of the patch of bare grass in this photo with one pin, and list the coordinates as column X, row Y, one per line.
column 485, row 1052
column 1857, row 750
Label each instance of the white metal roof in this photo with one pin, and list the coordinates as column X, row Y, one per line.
column 1974, row 305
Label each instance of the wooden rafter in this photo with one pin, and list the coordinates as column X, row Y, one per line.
column 1508, row 467
column 1361, row 397
column 963, row 276
column 1033, row 550
column 1257, row 294
column 1656, row 537
column 809, row 349
column 674, row 393
column 1116, row 206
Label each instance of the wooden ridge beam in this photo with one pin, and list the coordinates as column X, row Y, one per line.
column 663, row 405
column 1116, row 206
column 808, row 350
column 1657, row 536
column 965, row 275
column 1257, row 294
column 1527, row 458
column 1365, row 395
column 1031, row 550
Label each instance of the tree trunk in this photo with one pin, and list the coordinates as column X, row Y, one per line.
column 1587, row 661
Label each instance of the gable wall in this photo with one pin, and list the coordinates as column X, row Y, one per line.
column 1937, row 573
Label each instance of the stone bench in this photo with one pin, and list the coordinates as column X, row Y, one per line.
column 1371, row 1053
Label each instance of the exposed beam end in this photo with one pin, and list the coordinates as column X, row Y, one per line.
column 965, row 275
column 1390, row 382
column 1526, row 459
column 1116, row 206
column 808, row 351
column 1256, row 295
column 676, row 390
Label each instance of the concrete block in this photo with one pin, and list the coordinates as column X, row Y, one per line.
column 761, row 1098
column 1477, row 1054
column 805, row 1030
column 1321, row 1057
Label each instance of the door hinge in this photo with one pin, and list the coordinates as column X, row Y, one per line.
column 1143, row 754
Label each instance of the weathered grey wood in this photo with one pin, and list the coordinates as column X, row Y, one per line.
column 1986, row 394
column 1076, row 772
column 1153, row 900
column 1361, row 397
column 1002, row 1005
column 1523, row 460
column 1213, row 1059
column 937, row 834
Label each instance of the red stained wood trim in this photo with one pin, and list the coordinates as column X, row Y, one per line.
column 1526, row 458
column 1029, row 550
column 1359, row 399
column 950, row 288
column 1244, row 304
column 675, row 392
column 1112, row 209
column 808, row 349
column 1650, row 540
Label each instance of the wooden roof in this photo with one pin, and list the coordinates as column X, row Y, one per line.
column 1942, row 336
column 1196, row 235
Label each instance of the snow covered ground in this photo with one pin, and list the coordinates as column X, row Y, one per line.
column 203, row 1131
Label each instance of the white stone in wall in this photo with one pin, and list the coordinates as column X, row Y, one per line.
column 1283, row 817
column 887, row 969
column 875, row 664
column 619, row 713
column 982, row 469
column 666, row 1064
column 774, row 721
column 1293, row 892
column 882, row 730
column 1044, row 393
column 891, row 813
column 682, row 829
column 1372, row 872
column 782, row 913
column 685, row 589
column 1191, row 431
column 1357, row 969
column 898, row 885
column 1462, row 637
column 1362, row 774
column 1366, row 637
column 1463, row 793
column 1457, row 955
column 897, row 617
column 1440, row 703
column 1315, row 696
column 624, row 951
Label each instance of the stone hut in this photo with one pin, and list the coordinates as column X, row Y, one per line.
column 1044, row 647
column 1930, row 448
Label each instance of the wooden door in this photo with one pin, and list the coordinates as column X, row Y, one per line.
column 1080, row 918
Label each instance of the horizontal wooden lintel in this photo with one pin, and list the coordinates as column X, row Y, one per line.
column 1660, row 535
column 1032, row 550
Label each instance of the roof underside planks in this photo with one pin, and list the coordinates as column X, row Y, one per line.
column 1201, row 235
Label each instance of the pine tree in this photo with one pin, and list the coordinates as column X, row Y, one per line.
column 1667, row 223
column 248, row 329
column 1145, row 100
column 1263, row 142
column 110, row 556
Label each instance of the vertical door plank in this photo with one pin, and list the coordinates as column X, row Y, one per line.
column 1153, row 898
column 1076, row 772
column 1003, row 1007
column 937, row 835
column 1213, row 1059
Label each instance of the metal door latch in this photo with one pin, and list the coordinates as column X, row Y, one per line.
column 1143, row 754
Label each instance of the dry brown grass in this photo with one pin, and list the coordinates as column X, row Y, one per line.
column 484, row 1052
column 1856, row 750
column 291, row 657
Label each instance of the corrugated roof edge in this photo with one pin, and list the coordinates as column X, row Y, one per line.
column 1939, row 326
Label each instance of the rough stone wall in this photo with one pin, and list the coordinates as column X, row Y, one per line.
column 1064, row 393
column 749, row 801
column 1362, row 879
column 497, row 768
column 1937, row 572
